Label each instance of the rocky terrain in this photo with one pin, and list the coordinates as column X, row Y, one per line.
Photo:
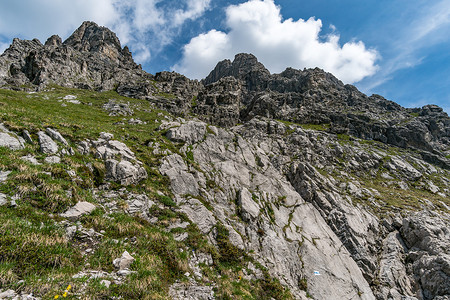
column 119, row 184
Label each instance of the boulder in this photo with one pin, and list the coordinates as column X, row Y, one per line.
column 53, row 159
column 189, row 132
column 124, row 262
column 55, row 135
column 48, row 146
column 9, row 139
column 3, row 199
column 4, row 175
column 124, row 172
column 80, row 209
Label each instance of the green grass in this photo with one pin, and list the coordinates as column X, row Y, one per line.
column 33, row 246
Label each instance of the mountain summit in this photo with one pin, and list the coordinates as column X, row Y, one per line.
column 117, row 183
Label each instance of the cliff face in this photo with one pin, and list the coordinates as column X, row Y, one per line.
column 289, row 185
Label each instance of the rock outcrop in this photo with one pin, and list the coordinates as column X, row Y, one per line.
column 292, row 179
column 91, row 57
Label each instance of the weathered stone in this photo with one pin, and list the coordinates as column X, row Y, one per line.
column 123, row 262
column 26, row 135
column 9, row 294
column 4, row 175
column 124, row 172
column 9, row 141
column 48, row 146
column 117, row 109
column 199, row 214
column 31, row 159
column 191, row 291
column 182, row 182
column 249, row 210
column 53, row 159
column 3, row 199
column 189, row 132
column 55, row 135
column 80, row 209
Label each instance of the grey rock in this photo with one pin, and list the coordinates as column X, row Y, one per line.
column 70, row 232
column 182, row 182
column 10, row 141
column 272, row 232
column 124, row 172
column 115, row 108
column 249, row 210
column 181, row 237
column 30, row 158
column 123, row 262
column 3, row 199
column 189, row 132
column 70, row 97
column 427, row 235
column 191, row 291
column 106, row 136
column 91, row 58
column 393, row 271
column 8, row 294
column 80, row 209
column 55, row 135
column 139, row 204
column 4, row 175
column 397, row 164
column 105, row 283
column 53, row 159
column 26, row 135
column 199, row 214
column 48, row 146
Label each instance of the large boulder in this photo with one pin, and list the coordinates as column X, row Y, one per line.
column 47, row 145
column 124, row 172
column 9, row 139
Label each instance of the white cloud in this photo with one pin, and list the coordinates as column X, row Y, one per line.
column 257, row 27
column 148, row 27
column 195, row 9
column 144, row 25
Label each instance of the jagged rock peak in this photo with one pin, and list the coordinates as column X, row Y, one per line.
column 242, row 65
column 54, row 40
column 94, row 38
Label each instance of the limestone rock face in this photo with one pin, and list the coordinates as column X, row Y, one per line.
column 427, row 235
column 313, row 96
column 190, row 132
column 219, row 103
column 91, row 57
column 284, row 237
column 336, row 194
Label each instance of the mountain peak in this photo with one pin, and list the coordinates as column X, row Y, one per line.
column 94, row 38
column 243, row 64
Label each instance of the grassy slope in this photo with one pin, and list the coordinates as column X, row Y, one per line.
column 35, row 255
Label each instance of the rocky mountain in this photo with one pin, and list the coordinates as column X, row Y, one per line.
column 115, row 183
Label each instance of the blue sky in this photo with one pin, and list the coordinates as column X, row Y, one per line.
column 398, row 49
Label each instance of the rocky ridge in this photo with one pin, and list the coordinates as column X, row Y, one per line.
column 292, row 176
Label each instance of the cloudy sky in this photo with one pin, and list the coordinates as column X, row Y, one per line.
column 398, row 49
